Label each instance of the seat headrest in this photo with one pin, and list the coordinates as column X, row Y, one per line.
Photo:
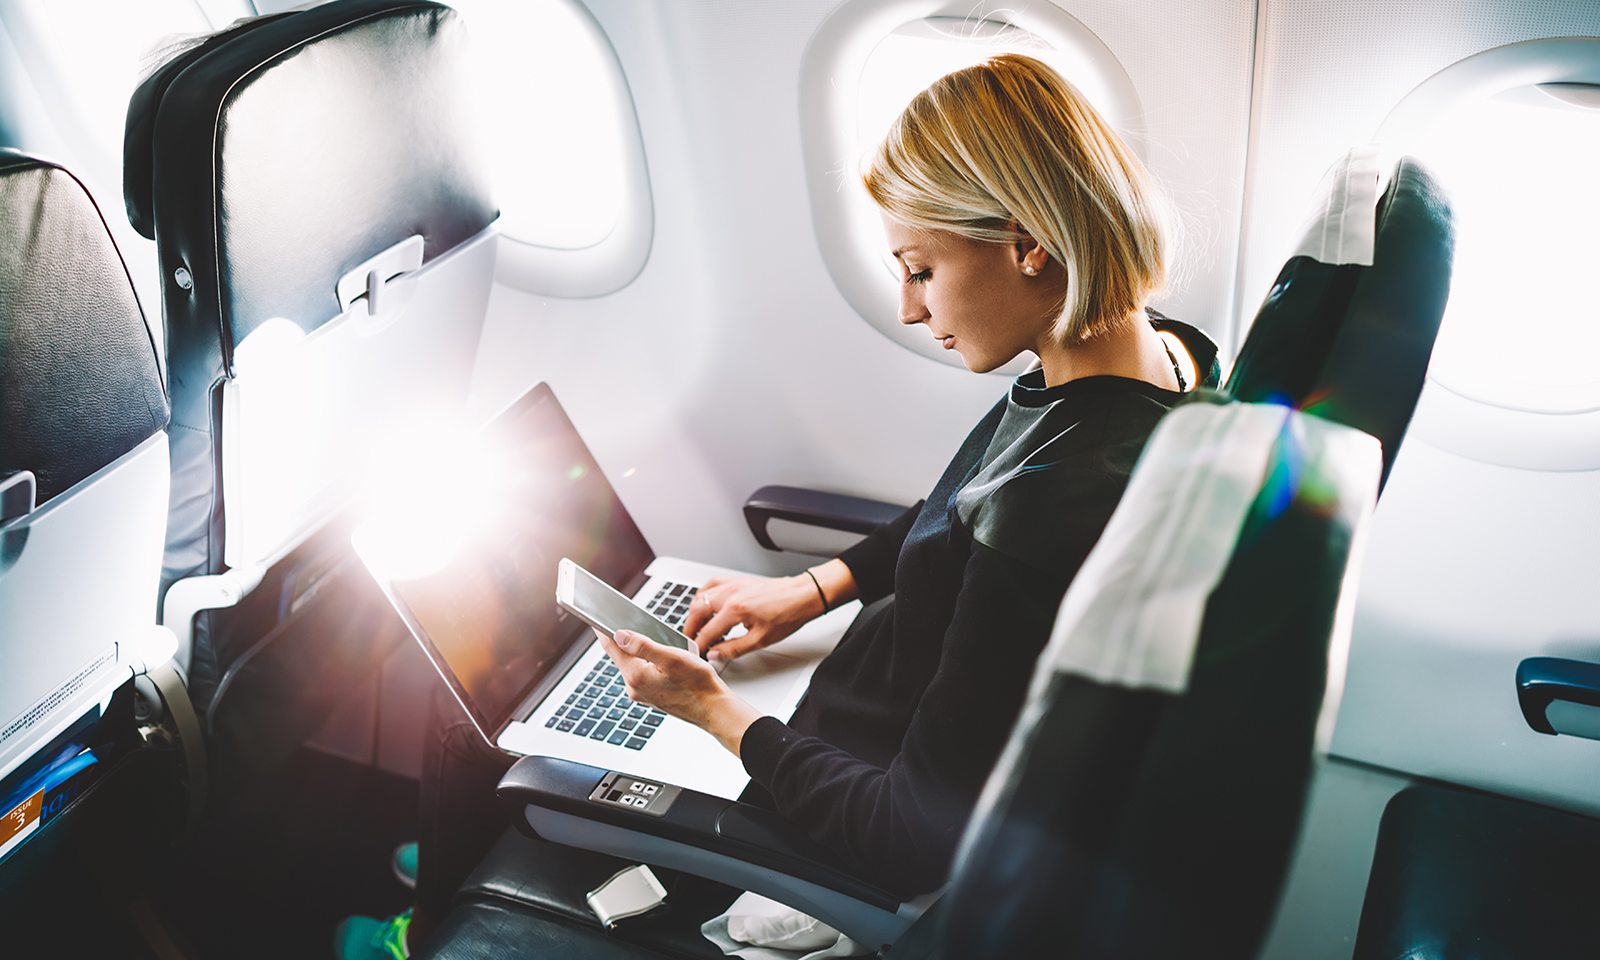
column 79, row 381
column 139, row 129
column 288, row 151
column 1351, row 342
column 1378, row 363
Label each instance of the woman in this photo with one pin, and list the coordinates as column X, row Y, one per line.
column 1021, row 222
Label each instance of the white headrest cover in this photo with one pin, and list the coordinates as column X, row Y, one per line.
column 1343, row 219
column 1133, row 615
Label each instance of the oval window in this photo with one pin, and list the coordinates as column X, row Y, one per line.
column 1522, row 329
column 564, row 147
column 1511, row 133
column 865, row 64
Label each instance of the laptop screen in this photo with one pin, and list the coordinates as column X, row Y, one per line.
column 489, row 615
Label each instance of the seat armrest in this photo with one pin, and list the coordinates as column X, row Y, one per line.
column 187, row 597
column 1560, row 696
column 18, row 495
column 723, row 840
column 814, row 508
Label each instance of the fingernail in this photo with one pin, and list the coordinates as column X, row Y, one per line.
column 714, row 654
column 623, row 638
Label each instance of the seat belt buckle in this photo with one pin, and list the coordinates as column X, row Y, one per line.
column 631, row 892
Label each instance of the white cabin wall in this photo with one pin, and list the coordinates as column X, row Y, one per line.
column 1472, row 568
column 1191, row 65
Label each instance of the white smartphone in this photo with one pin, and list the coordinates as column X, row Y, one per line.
column 595, row 603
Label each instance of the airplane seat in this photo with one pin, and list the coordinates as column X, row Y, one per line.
column 1149, row 798
column 1462, row 873
column 83, row 501
column 327, row 243
column 1459, row 872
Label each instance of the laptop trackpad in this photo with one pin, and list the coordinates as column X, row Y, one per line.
column 767, row 680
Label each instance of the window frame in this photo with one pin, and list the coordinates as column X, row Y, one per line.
column 613, row 262
column 830, row 74
column 1466, row 426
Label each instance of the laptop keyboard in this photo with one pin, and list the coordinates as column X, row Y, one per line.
column 600, row 709
column 671, row 603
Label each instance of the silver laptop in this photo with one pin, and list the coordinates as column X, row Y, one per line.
column 533, row 678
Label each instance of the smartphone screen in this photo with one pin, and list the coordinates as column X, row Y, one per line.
column 608, row 611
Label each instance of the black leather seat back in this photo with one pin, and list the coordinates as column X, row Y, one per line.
column 1376, row 367
column 83, row 410
column 1351, row 343
column 138, row 138
column 1133, row 822
column 269, row 162
column 283, row 154
column 79, row 380
column 1476, row 875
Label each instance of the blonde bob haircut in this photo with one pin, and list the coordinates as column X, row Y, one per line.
column 1009, row 144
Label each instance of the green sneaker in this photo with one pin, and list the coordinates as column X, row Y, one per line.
column 404, row 864
column 363, row 938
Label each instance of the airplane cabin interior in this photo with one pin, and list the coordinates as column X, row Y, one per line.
column 278, row 280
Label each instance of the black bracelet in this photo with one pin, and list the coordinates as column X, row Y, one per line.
column 826, row 606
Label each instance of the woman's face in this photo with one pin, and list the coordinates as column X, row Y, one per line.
column 978, row 299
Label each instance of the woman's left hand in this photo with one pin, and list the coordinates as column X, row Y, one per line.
column 680, row 683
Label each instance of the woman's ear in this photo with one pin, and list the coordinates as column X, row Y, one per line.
column 1031, row 257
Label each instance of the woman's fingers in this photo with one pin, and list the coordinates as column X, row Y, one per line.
column 675, row 680
column 619, row 656
column 636, row 657
column 681, row 684
column 643, row 648
column 716, row 629
column 770, row 608
column 732, row 649
column 703, row 608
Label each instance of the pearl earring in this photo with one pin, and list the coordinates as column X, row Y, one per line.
column 1030, row 271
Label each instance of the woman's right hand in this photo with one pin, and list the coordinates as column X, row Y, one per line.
column 770, row 608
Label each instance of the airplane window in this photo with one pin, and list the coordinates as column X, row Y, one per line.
column 556, row 156
column 1511, row 133
column 1521, row 330
column 905, row 62
column 564, row 146
column 861, row 70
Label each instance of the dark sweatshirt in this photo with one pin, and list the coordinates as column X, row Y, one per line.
column 885, row 756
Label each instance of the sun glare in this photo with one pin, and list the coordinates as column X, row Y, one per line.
column 416, row 517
